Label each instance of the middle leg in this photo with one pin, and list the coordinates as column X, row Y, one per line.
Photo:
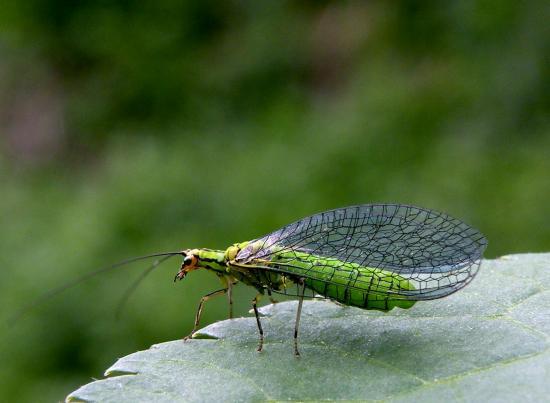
column 260, row 330
column 270, row 295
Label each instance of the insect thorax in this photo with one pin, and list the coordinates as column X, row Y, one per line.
column 211, row 259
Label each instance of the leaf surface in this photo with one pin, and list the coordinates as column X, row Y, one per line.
column 488, row 342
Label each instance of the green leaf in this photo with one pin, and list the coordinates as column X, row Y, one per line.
column 488, row 342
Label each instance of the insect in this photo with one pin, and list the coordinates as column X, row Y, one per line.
column 372, row 256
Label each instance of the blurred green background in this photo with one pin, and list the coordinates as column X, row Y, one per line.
column 135, row 127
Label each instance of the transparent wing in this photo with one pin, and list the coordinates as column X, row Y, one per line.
column 437, row 253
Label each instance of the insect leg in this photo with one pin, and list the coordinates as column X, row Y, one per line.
column 271, row 299
column 298, row 314
column 199, row 310
column 230, row 298
column 260, row 330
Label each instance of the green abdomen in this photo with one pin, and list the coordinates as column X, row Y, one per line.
column 348, row 283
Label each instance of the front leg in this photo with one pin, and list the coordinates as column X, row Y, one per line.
column 199, row 310
column 230, row 284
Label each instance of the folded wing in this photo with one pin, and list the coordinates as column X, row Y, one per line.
column 436, row 253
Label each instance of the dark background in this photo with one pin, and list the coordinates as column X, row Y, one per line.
column 134, row 127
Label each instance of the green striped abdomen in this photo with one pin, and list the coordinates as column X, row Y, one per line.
column 348, row 283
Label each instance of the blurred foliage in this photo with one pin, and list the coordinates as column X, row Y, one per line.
column 134, row 127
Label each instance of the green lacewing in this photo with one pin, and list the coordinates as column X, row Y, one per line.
column 371, row 256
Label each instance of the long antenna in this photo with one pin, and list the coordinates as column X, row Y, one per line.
column 58, row 290
column 130, row 290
